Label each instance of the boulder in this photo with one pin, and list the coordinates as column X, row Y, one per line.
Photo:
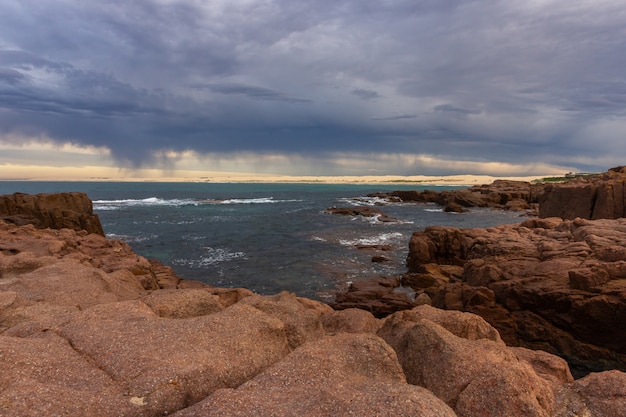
column 601, row 394
column 350, row 320
column 601, row 196
column 501, row 194
column 45, row 376
column 167, row 364
column 475, row 376
column 377, row 296
column 545, row 284
column 183, row 303
column 364, row 211
column 61, row 210
column 302, row 321
column 549, row 367
column 345, row 374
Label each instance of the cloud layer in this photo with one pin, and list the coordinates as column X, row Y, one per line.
column 536, row 83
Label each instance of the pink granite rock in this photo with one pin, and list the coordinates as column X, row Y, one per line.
column 476, row 377
column 172, row 363
column 346, row 374
column 57, row 211
column 45, row 376
column 600, row 394
column 85, row 330
column 302, row 321
column 545, row 284
column 351, row 320
column 183, row 303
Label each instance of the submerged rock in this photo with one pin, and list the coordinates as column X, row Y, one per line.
column 364, row 211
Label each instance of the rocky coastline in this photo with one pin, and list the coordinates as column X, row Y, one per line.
column 556, row 282
column 88, row 327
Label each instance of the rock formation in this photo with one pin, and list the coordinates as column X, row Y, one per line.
column 501, row 194
column 590, row 197
column 57, row 211
column 598, row 196
column 87, row 327
column 361, row 211
column 546, row 284
column 87, row 331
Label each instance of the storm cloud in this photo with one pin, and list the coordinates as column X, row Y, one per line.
column 537, row 82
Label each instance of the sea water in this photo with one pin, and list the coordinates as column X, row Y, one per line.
column 265, row 237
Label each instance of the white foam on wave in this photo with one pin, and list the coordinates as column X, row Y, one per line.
column 261, row 200
column 366, row 201
column 213, row 256
column 104, row 205
column 381, row 239
column 144, row 202
column 131, row 239
column 376, row 220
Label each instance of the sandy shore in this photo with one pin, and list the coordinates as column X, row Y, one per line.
column 260, row 178
column 388, row 179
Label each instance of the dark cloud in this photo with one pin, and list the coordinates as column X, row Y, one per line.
column 448, row 108
column 480, row 80
column 396, row 117
column 366, row 94
column 250, row 91
column 11, row 76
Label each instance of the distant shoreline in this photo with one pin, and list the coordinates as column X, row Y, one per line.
column 460, row 180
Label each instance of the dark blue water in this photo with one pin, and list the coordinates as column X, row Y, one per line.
column 265, row 237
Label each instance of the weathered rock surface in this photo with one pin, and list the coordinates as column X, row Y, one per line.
column 595, row 197
column 501, row 194
column 364, row 211
column 57, row 211
column 87, row 327
column 545, row 284
column 333, row 376
column 459, row 370
column 377, row 296
column 599, row 196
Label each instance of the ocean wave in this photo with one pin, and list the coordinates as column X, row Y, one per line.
column 132, row 239
column 261, row 200
column 434, row 210
column 381, row 239
column 144, row 202
column 365, row 201
column 376, row 220
column 213, row 256
column 104, row 205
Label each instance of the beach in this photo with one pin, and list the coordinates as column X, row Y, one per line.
column 55, row 174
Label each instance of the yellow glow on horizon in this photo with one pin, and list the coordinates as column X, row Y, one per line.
column 38, row 145
column 45, row 160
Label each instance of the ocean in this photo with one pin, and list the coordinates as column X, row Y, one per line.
column 264, row 237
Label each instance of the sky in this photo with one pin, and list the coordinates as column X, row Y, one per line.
column 293, row 87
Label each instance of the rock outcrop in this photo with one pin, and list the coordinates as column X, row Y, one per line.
column 545, row 284
column 87, row 327
column 380, row 296
column 591, row 197
column 551, row 284
column 501, row 194
column 364, row 211
column 61, row 210
column 597, row 196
